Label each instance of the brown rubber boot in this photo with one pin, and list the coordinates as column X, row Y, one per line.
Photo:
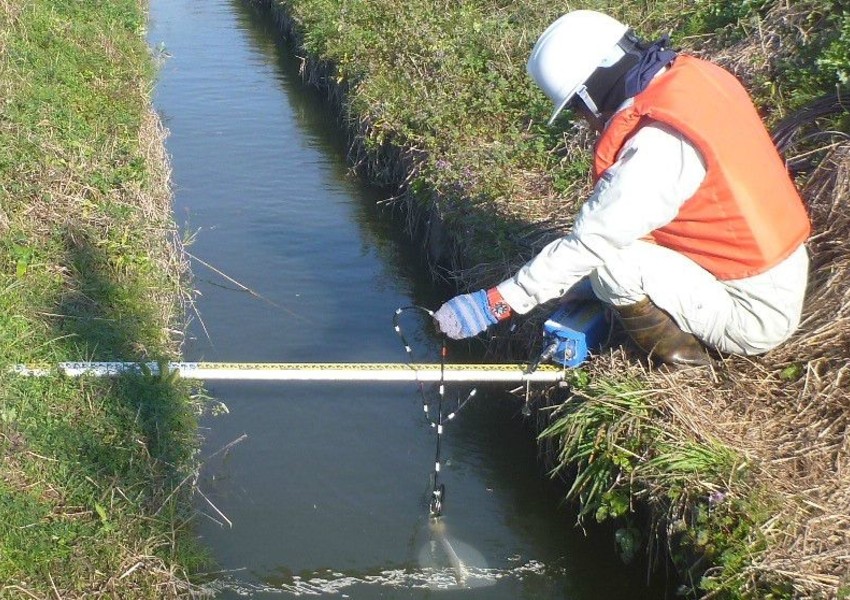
column 658, row 335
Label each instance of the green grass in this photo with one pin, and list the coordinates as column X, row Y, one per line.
column 91, row 499
column 615, row 453
column 448, row 83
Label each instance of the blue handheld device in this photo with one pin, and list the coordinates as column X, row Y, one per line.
column 572, row 331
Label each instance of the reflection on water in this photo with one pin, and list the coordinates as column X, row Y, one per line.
column 467, row 563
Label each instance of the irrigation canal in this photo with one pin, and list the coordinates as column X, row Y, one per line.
column 322, row 489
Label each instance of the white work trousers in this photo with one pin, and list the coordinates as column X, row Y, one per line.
column 748, row 316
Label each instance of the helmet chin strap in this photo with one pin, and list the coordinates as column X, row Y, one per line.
column 613, row 82
column 622, row 75
column 593, row 115
column 582, row 93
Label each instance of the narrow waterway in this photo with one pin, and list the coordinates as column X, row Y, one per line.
column 322, row 489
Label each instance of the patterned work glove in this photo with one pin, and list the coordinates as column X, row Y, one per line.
column 469, row 314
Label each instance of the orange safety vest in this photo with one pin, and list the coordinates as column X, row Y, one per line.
column 747, row 215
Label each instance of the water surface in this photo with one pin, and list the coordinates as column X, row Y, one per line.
column 316, row 488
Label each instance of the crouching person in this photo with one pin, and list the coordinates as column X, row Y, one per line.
column 694, row 230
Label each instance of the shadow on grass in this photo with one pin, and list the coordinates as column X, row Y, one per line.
column 132, row 432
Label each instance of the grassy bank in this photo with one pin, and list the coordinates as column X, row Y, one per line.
column 91, row 501
column 744, row 467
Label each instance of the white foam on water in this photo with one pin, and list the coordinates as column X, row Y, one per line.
column 431, row 578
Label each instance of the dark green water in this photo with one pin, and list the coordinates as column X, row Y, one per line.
column 323, row 489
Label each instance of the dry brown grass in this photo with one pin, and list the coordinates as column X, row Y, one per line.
column 794, row 433
column 800, row 431
column 787, row 413
column 166, row 243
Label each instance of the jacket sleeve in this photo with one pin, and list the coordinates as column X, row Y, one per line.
column 656, row 172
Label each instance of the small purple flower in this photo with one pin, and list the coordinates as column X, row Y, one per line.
column 716, row 498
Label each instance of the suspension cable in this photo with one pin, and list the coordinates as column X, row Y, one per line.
column 438, row 493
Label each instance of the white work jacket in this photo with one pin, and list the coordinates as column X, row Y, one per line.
column 657, row 170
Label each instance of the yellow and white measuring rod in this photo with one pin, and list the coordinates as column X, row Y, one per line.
column 209, row 371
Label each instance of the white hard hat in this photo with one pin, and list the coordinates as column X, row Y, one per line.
column 570, row 50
